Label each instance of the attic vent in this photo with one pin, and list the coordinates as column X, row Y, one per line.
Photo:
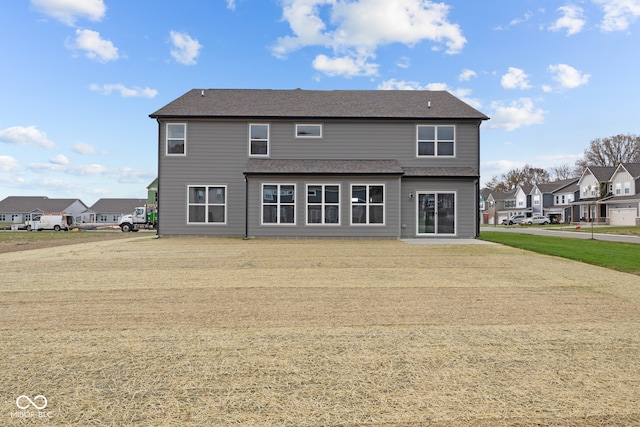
column 202, row 93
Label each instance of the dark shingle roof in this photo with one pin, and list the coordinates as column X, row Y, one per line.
column 551, row 187
column 117, row 205
column 440, row 172
column 27, row 204
column 313, row 167
column 602, row 173
column 364, row 104
column 633, row 169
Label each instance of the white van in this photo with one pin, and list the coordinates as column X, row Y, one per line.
column 51, row 222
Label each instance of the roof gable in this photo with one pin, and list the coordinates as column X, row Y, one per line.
column 298, row 103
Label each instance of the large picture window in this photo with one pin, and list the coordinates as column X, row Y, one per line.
column 367, row 204
column 278, row 203
column 436, row 140
column 207, row 204
column 323, row 204
column 259, row 139
column 176, row 139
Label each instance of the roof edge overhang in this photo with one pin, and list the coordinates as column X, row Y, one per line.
column 349, row 118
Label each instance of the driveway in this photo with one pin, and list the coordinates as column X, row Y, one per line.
column 565, row 233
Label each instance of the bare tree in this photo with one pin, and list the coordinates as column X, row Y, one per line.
column 526, row 176
column 564, row 171
column 611, row 151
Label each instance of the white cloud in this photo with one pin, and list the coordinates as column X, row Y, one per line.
column 517, row 114
column 515, row 79
column 68, row 11
column 466, row 75
column 344, row 66
column 25, row 135
column 567, row 76
column 8, row 164
column 355, row 29
column 618, row 14
column 516, row 21
column 78, row 170
column 94, row 46
column 124, row 91
column 231, row 4
column 404, row 62
column 60, row 164
column 60, row 159
column 185, row 49
column 463, row 94
column 84, row 148
column 572, row 20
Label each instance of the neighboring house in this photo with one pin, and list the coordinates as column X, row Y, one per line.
column 505, row 205
column 304, row 163
column 109, row 211
column 557, row 199
column 18, row 209
column 594, row 186
column 487, row 206
column 623, row 203
column 152, row 192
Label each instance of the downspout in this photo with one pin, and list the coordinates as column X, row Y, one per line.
column 246, row 207
column 478, row 187
column 158, row 189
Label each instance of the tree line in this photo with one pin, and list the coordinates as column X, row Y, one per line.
column 610, row 151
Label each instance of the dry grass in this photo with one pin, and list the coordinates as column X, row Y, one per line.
column 312, row 333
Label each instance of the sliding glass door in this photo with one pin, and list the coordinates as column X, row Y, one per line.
column 436, row 213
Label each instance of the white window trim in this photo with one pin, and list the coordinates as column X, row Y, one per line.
column 308, row 136
column 455, row 212
column 166, row 140
column 206, row 204
column 268, row 140
column 322, row 205
column 278, row 204
column 435, row 141
column 367, row 204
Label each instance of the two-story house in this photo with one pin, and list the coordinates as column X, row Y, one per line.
column 557, row 198
column 307, row 163
column 623, row 203
column 594, row 185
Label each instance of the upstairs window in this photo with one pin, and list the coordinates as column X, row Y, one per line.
column 258, row 139
column 176, row 139
column 308, row 131
column 627, row 188
column 436, row 141
column 618, row 188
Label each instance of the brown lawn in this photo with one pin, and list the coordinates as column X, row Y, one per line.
column 178, row 331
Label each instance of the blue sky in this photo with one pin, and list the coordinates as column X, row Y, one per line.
column 80, row 77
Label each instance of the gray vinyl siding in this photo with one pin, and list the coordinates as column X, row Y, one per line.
column 390, row 228
column 217, row 152
column 216, row 155
column 466, row 205
column 372, row 140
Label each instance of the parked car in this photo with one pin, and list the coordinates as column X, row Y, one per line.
column 537, row 219
column 515, row 219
